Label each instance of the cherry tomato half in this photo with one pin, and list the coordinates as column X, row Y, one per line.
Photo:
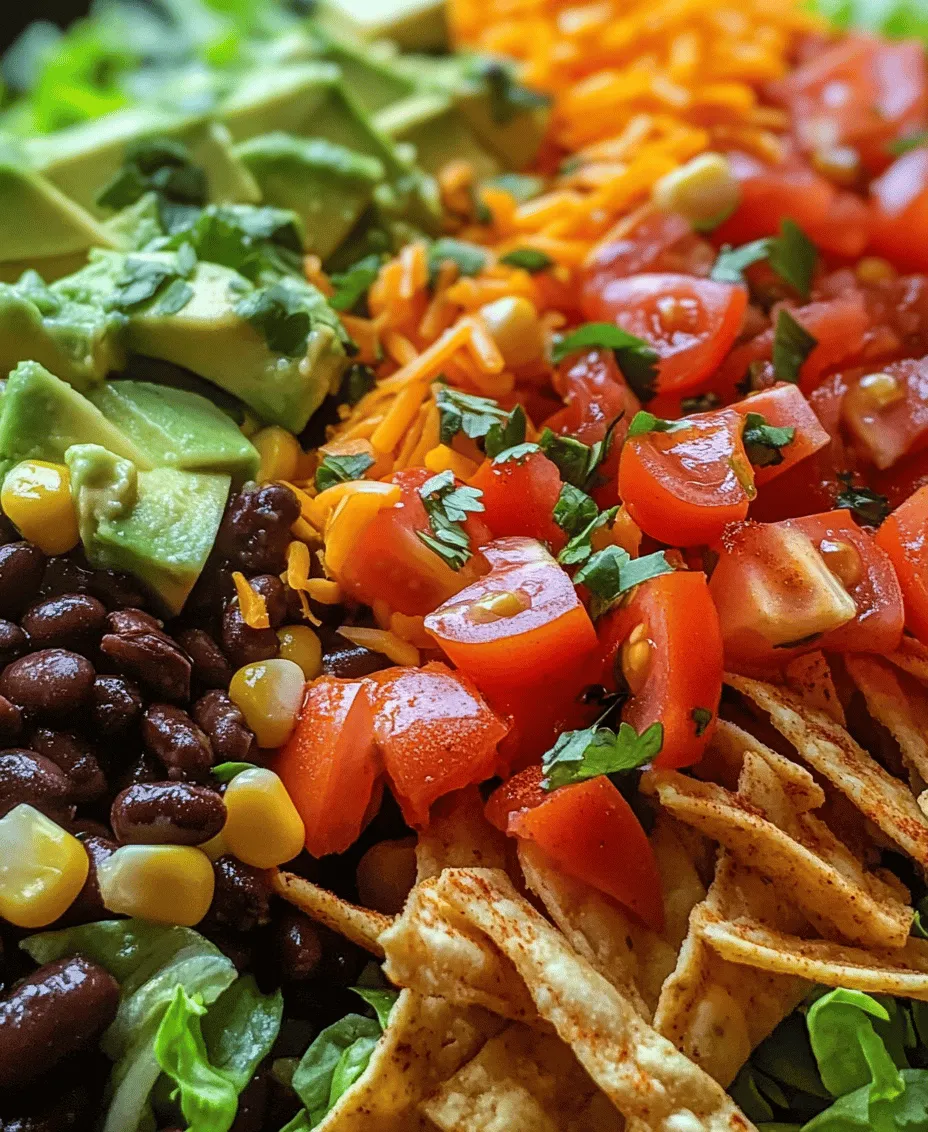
column 783, row 406
column 900, row 212
column 886, row 410
column 519, row 497
column 904, row 537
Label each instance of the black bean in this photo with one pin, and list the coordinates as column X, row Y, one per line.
column 138, row 648
column 298, row 945
column 76, row 759
column 21, row 568
column 65, row 575
column 210, row 667
column 60, row 1009
column 176, row 741
column 139, row 767
column 241, row 901
column 349, row 662
column 11, row 721
column 47, row 1110
column 26, row 776
column 115, row 706
column 48, row 684
column 252, row 1105
column 231, row 737
column 255, row 530
column 167, row 813
column 88, row 907
column 72, row 621
column 13, row 642
column 274, row 592
column 116, row 591
column 241, row 643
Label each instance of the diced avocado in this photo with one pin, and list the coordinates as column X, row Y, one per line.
column 159, row 525
column 177, row 429
column 327, row 185
column 415, row 25
column 133, row 228
column 440, row 133
column 367, row 71
column 83, row 159
column 43, row 416
column 79, row 341
column 284, row 98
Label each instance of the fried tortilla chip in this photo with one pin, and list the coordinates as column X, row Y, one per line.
column 643, row 1075
column 899, row 703
column 433, row 949
column 912, row 657
column 362, row 926
column 830, row 750
column 809, row 676
column 675, row 852
column 521, row 1081
column 459, row 836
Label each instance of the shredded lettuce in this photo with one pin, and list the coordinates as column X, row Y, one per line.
column 892, row 17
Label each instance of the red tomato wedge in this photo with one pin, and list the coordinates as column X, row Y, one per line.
column 684, row 486
column 900, row 212
column 668, row 644
column 390, row 563
column 590, row 832
column 886, row 410
column 649, row 240
column 783, row 406
column 903, row 479
column 817, row 582
column 521, row 622
column 519, row 497
column 332, row 744
column 595, row 394
column 691, row 323
column 435, row 734
column 904, row 537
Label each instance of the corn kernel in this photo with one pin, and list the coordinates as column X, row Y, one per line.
column 263, row 828
column 704, row 190
column 42, row 868
column 301, row 645
column 839, row 163
column 514, row 326
column 215, row 847
column 636, row 658
column 280, row 453
column 497, row 605
column 36, row 498
column 875, row 269
column 170, row 884
column 269, row 695
column 881, row 390
column 843, row 560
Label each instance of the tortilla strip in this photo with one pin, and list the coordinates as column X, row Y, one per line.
column 643, row 1075
column 459, row 836
column 680, row 881
column 521, row 1081
column 724, row 761
column 436, row 951
column 897, row 707
column 361, row 926
column 903, row 972
column 809, row 676
column 912, row 657
column 830, row 750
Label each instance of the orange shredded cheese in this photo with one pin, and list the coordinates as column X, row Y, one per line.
column 252, row 605
column 297, row 576
column 383, row 641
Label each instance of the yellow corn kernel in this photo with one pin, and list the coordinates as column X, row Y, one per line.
column 875, row 269
column 636, row 658
column 170, row 884
column 280, row 453
column 515, row 328
column 42, row 868
column 704, row 190
column 498, row 605
column 383, row 641
column 880, row 390
column 301, row 645
column 215, row 847
column 36, row 498
column 263, row 828
column 269, row 695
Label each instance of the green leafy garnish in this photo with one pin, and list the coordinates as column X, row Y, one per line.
column 177, row 295
column 342, row 469
column 464, row 412
column 702, row 717
column 447, row 507
column 278, row 313
column 867, row 506
column 471, row 259
column 636, row 358
column 610, row 572
column 504, row 438
column 574, row 510
column 259, row 243
column 580, row 755
column 161, row 165
column 381, row 999
column 580, row 547
column 792, row 344
column 732, row 263
column 529, row 259
column 764, row 443
column 507, row 96
column 906, row 144
column 352, row 285
column 518, row 453
column 225, row 772
column 577, row 462
column 643, row 422
column 792, row 255
column 140, row 280
column 359, row 379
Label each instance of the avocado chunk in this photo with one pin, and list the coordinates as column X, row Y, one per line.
column 78, row 340
column 177, row 429
column 432, row 123
column 284, row 98
column 328, row 186
column 367, row 71
column 42, row 416
column 158, row 525
column 415, row 25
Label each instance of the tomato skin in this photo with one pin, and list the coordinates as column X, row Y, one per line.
column 892, row 431
column 681, row 487
column 549, row 631
column 519, row 497
column 784, row 406
column 904, row 537
column 391, row 564
column 691, row 323
column 590, row 832
column 595, row 394
column 649, row 240
column 435, row 734
column 333, row 743
column 685, row 671
column 900, row 212
column 903, row 479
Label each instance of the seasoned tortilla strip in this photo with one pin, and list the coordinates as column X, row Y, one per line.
column 459, row 836
column 361, row 926
column 642, row 1073
column 809, row 676
column 900, row 709
column 912, row 657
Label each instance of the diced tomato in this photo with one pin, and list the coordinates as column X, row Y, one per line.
column 836, row 221
column 691, row 323
column 783, row 406
column 782, row 589
column 435, row 734
column 903, row 479
column 677, row 679
column 391, row 563
column 861, row 94
column 521, row 622
column 331, row 746
column 904, row 537
column 684, row 486
column 590, row 832
column 886, row 410
column 595, row 394
column 900, row 212
column 519, row 497
column 649, row 240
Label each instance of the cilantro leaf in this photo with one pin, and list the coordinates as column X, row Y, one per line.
column 793, row 257
column 906, row 144
column 579, row 548
column 733, row 262
column 161, row 165
column 342, row 469
column 352, row 285
column 574, row 510
column 471, row 259
column 643, row 422
column 581, row 755
column 867, row 506
column 529, row 259
column 463, row 412
column 636, row 358
column 278, row 314
column 792, row 344
column 507, row 96
column 358, row 380
column 140, row 280
column 702, row 717
column 610, row 572
column 447, row 506
column 507, row 436
column 518, row 453
column 764, row 443
column 577, row 462
column 175, row 298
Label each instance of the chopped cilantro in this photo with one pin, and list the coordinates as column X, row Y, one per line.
column 471, row 259
column 186, row 259
column 610, row 572
column 580, row 755
column 518, row 453
column 352, row 285
column 155, row 164
column 702, row 717
column 574, row 510
column 529, row 259
column 463, row 412
column 792, row 255
column 764, row 443
column 636, row 358
column 521, row 187
column 792, row 344
column 580, row 547
column 507, row 436
column 447, row 507
column 342, row 469
column 359, row 379
column 906, row 144
column 643, row 422
column 733, row 262
column 278, row 314
column 140, row 280
column 577, row 462
column 175, row 298
column 507, row 96
column 867, row 506
column 259, row 243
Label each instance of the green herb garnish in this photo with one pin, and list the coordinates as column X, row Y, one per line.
column 792, row 255
column 574, row 510
column 464, row 412
column 352, row 285
column 610, row 572
column 471, row 259
column 764, row 443
column 581, row 755
column 792, row 344
column 280, row 317
column 636, row 358
column 702, row 717
column 577, row 462
column 867, row 506
column 447, row 507
column 342, row 469
column 643, row 422
column 503, row 438
column 529, row 259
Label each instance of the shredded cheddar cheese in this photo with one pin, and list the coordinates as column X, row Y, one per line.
column 383, row 641
column 252, row 604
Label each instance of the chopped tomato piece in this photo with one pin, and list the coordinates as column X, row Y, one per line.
column 817, row 582
column 668, row 646
column 435, row 734
column 590, row 832
column 332, row 744
column 649, row 240
column 595, row 395
column 903, row 479
column 519, row 497
column 886, row 409
column 521, row 622
column 904, row 537
column 783, row 406
column 691, row 323
column 684, row 486
column 391, row 563
column 900, row 212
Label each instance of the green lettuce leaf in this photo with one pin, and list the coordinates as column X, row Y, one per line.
column 847, row 1048
column 240, row 1028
